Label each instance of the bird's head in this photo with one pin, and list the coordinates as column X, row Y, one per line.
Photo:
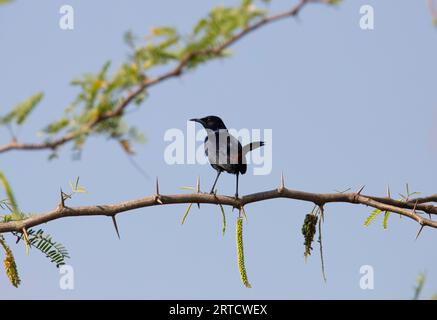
column 213, row 123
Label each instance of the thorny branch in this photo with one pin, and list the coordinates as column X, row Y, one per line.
column 413, row 209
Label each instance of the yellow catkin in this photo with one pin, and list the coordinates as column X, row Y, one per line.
column 240, row 253
column 10, row 265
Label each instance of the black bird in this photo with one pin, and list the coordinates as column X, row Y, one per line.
column 223, row 150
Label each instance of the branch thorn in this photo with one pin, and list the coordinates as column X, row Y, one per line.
column 157, row 195
column 114, row 221
column 62, row 200
column 361, row 189
column 157, row 186
column 420, row 230
column 282, row 183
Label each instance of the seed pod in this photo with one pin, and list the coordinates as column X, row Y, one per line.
column 308, row 231
column 10, row 266
column 240, row 252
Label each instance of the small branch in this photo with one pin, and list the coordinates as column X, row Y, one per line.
column 319, row 199
column 432, row 198
column 420, row 205
column 149, row 82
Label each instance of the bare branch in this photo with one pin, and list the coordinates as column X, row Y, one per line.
column 319, row 199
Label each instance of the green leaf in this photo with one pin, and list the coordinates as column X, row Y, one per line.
column 57, row 126
column 16, row 213
column 43, row 242
column 384, row 222
column 334, row 2
column 76, row 188
column 186, row 213
column 372, row 217
column 21, row 111
column 221, row 24
column 26, row 107
column 223, row 219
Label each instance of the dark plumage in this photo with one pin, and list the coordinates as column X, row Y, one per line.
column 223, row 150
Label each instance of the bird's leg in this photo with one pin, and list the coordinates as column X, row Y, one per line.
column 215, row 181
column 236, row 190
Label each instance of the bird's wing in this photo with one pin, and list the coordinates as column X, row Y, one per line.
column 227, row 148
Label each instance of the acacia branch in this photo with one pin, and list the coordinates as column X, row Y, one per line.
column 320, row 199
column 177, row 71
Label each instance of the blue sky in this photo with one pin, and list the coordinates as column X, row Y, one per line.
column 347, row 107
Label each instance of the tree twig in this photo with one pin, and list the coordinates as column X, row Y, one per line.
column 149, row 82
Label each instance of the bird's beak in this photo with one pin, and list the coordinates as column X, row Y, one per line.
column 197, row 120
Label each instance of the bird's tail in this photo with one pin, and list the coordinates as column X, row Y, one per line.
column 252, row 146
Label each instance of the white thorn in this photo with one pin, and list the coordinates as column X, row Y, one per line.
column 282, row 183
